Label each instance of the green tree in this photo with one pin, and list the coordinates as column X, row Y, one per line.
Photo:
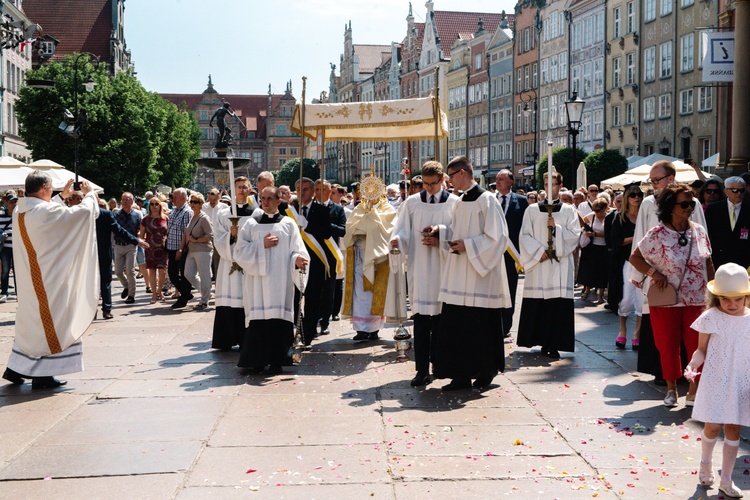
column 289, row 172
column 133, row 138
column 603, row 164
column 562, row 160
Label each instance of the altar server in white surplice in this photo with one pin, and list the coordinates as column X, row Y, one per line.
column 421, row 211
column 473, row 285
column 270, row 251
column 229, row 320
column 547, row 309
column 57, row 272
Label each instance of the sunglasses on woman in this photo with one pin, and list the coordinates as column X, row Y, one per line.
column 686, row 204
column 635, row 194
column 712, row 191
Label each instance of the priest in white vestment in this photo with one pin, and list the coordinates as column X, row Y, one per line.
column 57, row 273
column 473, row 285
column 547, row 317
column 662, row 174
column 270, row 251
column 433, row 206
column 229, row 320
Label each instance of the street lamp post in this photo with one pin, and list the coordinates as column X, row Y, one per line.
column 574, row 110
column 73, row 123
column 527, row 97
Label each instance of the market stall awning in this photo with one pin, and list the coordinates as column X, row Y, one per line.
column 403, row 119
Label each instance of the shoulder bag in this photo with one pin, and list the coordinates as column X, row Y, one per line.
column 668, row 296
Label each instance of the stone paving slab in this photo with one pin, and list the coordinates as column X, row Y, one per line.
column 570, row 488
column 302, row 405
column 185, row 371
column 290, row 466
column 102, row 459
column 196, row 386
column 280, row 384
column 500, row 394
column 297, row 492
column 152, row 486
column 468, row 416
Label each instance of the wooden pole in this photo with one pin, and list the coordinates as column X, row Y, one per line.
column 436, row 108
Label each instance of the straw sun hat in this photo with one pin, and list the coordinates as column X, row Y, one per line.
column 730, row 280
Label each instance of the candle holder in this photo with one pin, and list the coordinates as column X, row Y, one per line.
column 401, row 337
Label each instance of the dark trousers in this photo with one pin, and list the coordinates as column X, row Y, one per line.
column 176, row 272
column 424, row 341
column 510, row 271
column 317, row 285
column 326, row 306
column 338, row 296
column 105, row 282
column 6, row 254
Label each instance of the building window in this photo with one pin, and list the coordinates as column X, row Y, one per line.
column 649, row 64
column 616, row 72
column 616, row 116
column 686, row 101
column 576, row 77
column 665, row 105
column 617, row 23
column 705, row 147
column 545, row 73
column 630, row 113
column 293, row 151
column 561, row 114
column 598, row 76
column 545, row 113
column 686, row 52
column 686, row 3
column 665, row 68
column 649, row 10
column 204, row 115
column 553, row 111
column 518, row 119
column 630, row 75
column 563, row 65
column 587, row 80
column 553, row 69
column 631, row 17
column 599, row 124
column 705, row 98
column 666, row 7
column 534, row 76
column 648, row 108
column 282, row 151
column 478, row 61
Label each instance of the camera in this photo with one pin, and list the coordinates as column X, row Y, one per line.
column 77, row 186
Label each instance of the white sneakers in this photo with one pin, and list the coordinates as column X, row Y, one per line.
column 671, row 399
column 3, row 299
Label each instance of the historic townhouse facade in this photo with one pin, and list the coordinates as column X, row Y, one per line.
column 456, row 87
column 479, row 98
column 501, row 100
column 554, row 53
column 526, row 88
column 409, row 75
column 587, row 46
column 623, row 77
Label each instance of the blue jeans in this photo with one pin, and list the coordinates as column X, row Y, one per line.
column 6, row 255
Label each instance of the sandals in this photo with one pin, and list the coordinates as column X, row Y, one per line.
column 200, row 307
column 706, row 474
column 635, row 344
column 620, row 342
column 730, row 490
column 585, row 294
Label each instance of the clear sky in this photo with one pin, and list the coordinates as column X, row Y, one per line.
column 245, row 45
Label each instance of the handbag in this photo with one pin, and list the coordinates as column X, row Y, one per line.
column 668, row 296
column 584, row 240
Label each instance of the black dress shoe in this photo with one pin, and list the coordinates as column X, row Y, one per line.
column 325, row 331
column 124, row 294
column 660, row 382
column 420, row 379
column 361, row 336
column 374, row 335
column 130, row 300
column 13, row 377
column 457, row 385
column 107, row 315
column 336, row 318
column 482, row 382
column 46, row 383
column 179, row 304
column 553, row 354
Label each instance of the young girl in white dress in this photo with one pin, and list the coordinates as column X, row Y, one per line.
column 723, row 397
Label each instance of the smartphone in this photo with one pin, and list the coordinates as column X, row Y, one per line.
column 77, row 186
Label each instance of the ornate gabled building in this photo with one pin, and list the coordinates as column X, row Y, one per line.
column 94, row 26
column 260, row 130
column 526, row 125
column 500, row 51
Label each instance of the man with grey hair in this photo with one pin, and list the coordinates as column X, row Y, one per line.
column 178, row 220
column 57, row 274
column 125, row 251
column 728, row 224
column 265, row 179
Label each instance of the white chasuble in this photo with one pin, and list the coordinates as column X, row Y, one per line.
column 57, row 272
column 476, row 277
column 424, row 264
column 228, row 284
column 270, row 275
column 549, row 279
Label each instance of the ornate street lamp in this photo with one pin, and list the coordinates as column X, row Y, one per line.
column 574, row 110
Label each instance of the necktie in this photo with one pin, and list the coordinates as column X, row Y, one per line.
column 732, row 215
column 503, row 204
column 304, row 212
column 432, row 198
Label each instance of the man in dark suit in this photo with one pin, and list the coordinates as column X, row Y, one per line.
column 338, row 229
column 728, row 225
column 106, row 226
column 315, row 221
column 514, row 206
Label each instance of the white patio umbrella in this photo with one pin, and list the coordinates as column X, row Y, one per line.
column 10, row 162
column 13, row 177
column 581, row 175
column 60, row 175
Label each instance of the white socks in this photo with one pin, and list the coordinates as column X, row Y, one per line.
column 729, row 456
column 707, row 448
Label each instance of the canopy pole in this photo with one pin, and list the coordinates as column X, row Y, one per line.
column 302, row 132
column 322, row 135
column 436, row 108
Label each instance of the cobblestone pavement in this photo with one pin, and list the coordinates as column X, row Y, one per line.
column 158, row 414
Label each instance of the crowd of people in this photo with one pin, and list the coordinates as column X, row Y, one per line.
column 292, row 259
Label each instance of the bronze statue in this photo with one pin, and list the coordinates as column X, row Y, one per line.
column 224, row 139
